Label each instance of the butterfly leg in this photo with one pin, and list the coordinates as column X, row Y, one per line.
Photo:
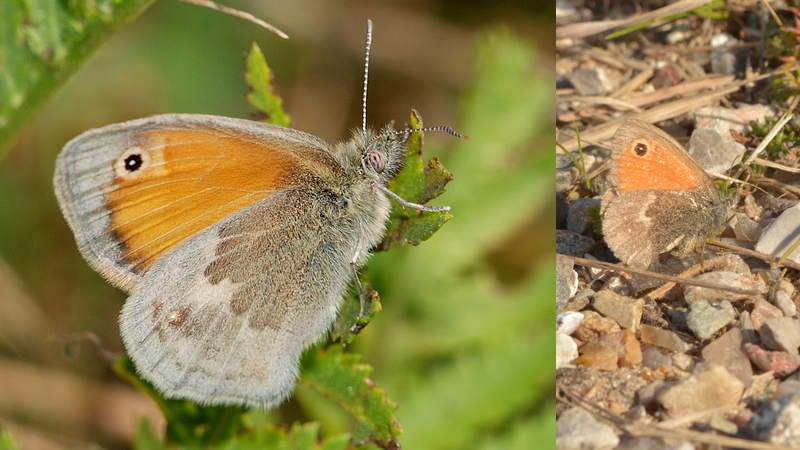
column 354, row 269
column 406, row 203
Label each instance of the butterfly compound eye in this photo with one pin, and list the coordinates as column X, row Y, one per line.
column 377, row 160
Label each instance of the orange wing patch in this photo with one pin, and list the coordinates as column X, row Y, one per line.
column 647, row 163
column 176, row 183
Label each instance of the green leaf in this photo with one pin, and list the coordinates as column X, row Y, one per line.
column 715, row 10
column 7, row 441
column 145, row 439
column 348, row 323
column 299, row 437
column 521, row 433
column 263, row 95
column 341, row 377
column 417, row 183
column 629, row 30
column 483, row 388
column 44, row 42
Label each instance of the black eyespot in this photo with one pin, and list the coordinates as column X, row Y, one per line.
column 377, row 160
column 133, row 162
column 640, row 148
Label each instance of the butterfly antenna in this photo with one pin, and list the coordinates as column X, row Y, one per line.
column 366, row 77
column 444, row 128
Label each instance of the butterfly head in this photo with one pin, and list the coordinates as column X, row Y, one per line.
column 383, row 154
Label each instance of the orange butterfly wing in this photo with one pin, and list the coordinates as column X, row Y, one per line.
column 133, row 191
column 647, row 158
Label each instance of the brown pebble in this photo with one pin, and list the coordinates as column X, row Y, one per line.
column 781, row 363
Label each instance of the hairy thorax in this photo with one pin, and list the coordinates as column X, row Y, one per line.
column 363, row 210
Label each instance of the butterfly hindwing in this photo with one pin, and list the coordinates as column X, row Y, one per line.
column 224, row 318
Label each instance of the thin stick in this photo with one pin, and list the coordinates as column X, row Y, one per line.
column 719, row 261
column 658, row 276
column 237, row 13
column 762, row 256
column 770, row 136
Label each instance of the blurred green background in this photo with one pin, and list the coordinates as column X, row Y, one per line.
column 465, row 344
